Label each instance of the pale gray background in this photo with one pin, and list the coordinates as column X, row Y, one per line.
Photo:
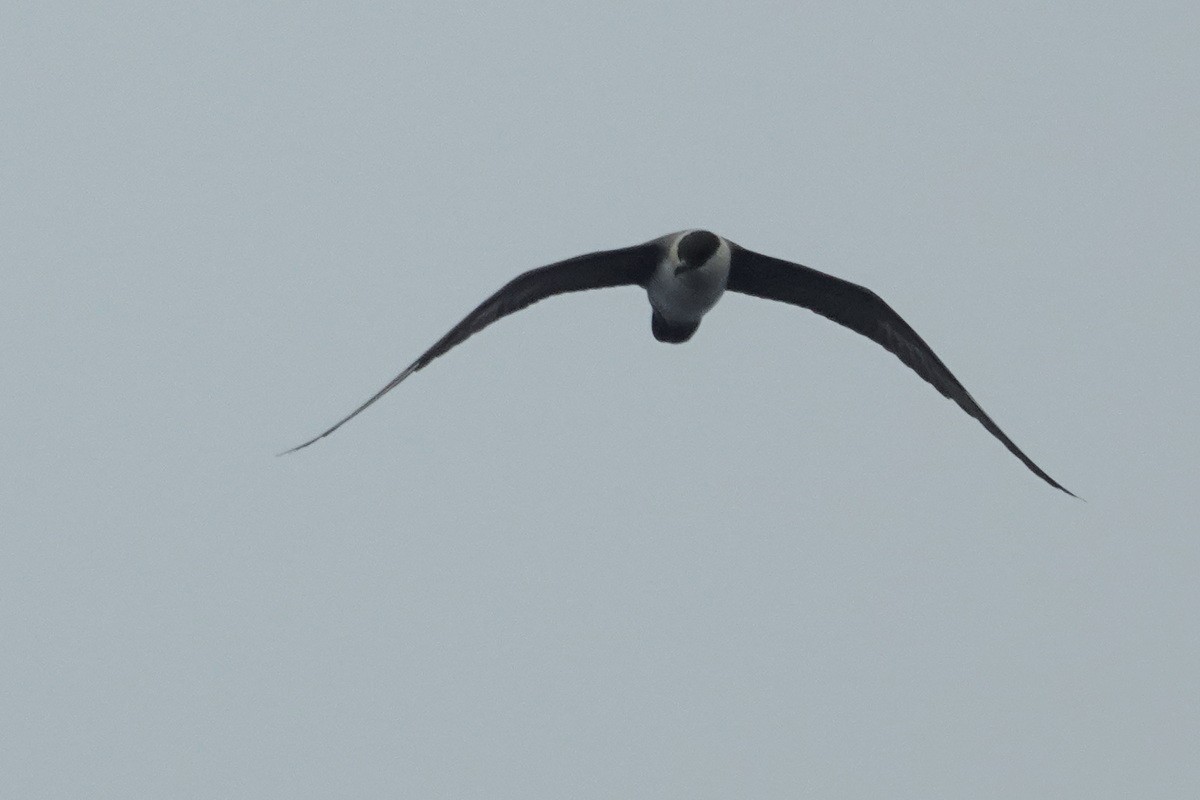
column 567, row 560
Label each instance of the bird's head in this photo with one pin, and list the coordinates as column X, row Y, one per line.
column 694, row 249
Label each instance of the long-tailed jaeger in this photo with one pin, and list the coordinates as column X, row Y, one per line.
column 684, row 275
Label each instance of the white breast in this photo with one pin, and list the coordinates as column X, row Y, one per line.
column 688, row 297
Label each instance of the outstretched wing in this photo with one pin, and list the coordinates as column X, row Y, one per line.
column 861, row 310
column 625, row 266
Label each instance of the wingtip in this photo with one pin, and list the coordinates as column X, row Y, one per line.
column 299, row 447
column 1059, row 486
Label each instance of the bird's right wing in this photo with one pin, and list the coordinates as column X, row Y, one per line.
column 606, row 268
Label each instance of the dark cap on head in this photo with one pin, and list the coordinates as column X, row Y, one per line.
column 697, row 247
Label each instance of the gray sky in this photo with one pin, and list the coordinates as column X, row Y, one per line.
column 567, row 560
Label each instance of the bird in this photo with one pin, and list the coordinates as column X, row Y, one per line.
column 684, row 274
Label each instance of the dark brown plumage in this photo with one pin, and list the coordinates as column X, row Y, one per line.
column 684, row 274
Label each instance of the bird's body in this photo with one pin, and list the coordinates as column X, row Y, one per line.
column 681, row 299
column 684, row 275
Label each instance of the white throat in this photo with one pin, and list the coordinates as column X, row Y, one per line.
column 688, row 296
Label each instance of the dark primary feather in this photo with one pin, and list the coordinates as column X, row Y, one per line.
column 863, row 311
column 606, row 268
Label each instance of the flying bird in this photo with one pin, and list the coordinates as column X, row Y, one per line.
column 684, row 275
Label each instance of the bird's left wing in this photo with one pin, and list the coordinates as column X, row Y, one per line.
column 865, row 312
column 606, row 268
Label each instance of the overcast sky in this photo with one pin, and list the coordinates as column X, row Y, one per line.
column 568, row 561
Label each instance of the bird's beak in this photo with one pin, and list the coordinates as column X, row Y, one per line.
column 682, row 268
